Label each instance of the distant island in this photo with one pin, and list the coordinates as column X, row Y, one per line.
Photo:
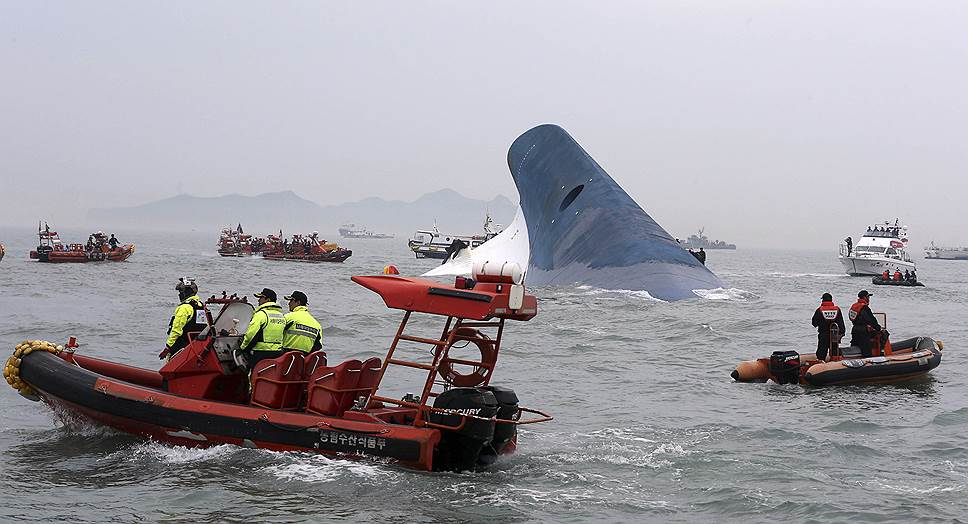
column 268, row 212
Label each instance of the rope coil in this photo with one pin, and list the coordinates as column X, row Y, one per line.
column 11, row 371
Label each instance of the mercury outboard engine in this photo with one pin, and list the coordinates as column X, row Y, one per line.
column 459, row 449
column 507, row 402
column 785, row 367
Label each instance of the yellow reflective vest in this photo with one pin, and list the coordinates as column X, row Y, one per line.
column 265, row 329
column 186, row 318
column 303, row 332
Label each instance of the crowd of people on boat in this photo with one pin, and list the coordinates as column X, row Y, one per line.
column 97, row 241
column 864, row 330
column 300, row 244
column 270, row 332
column 908, row 276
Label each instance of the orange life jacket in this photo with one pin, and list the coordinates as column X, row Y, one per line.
column 855, row 309
column 885, row 275
column 829, row 310
column 897, row 275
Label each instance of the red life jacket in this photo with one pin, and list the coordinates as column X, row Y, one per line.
column 885, row 275
column 855, row 309
column 897, row 275
column 829, row 310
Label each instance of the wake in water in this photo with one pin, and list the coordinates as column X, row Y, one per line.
column 734, row 294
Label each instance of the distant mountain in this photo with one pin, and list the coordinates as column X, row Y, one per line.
column 261, row 214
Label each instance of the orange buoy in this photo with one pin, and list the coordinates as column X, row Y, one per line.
column 390, row 270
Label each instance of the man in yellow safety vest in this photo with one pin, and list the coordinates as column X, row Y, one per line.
column 263, row 338
column 303, row 332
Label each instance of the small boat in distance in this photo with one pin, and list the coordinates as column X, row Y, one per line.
column 434, row 244
column 352, row 231
column 99, row 247
column 2, row 252
column 882, row 247
column 233, row 242
column 304, row 248
column 702, row 241
column 945, row 253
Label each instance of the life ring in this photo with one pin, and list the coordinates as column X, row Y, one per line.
column 480, row 374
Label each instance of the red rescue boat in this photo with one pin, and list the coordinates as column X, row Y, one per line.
column 304, row 248
column 457, row 421
column 52, row 249
column 233, row 242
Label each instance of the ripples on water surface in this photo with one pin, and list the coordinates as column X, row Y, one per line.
column 648, row 424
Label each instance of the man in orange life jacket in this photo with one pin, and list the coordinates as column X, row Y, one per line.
column 897, row 275
column 825, row 316
column 885, row 275
column 865, row 324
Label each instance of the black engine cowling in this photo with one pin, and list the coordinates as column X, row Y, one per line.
column 459, row 449
column 785, row 367
column 507, row 402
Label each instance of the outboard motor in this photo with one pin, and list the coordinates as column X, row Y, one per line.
column 507, row 402
column 459, row 449
column 785, row 366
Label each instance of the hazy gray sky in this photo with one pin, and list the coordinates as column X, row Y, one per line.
column 769, row 122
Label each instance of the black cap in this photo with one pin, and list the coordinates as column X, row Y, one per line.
column 863, row 294
column 267, row 293
column 826, row 297
column 298, row 296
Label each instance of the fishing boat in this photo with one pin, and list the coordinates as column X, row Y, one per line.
column 52, row 249
column 353, row 231
column 889, row 363
column 882, row 247
column 204, row 396
column 2, row 251
column 434, row 244
column 304, row 248
column 234, row 242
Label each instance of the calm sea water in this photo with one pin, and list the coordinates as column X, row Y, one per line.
column 649, row 426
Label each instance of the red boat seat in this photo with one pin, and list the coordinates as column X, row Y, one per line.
column 314, row 360
column 330, row 386
column 369, row 373
column 278, row 383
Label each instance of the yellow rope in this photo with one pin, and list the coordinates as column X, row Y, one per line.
column 11, row 371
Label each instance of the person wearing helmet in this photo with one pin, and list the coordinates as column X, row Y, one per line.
column 189, row 317
column 263, row 338
column 303, row 332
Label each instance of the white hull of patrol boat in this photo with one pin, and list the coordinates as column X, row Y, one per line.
column 872, row 265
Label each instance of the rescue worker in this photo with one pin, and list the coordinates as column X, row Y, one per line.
column 302, row 332
column 701, row 256
column 897, row 275
column 907, row 276
column 824, row 317
column 113, row 241
column 865, row 324
column 914, row 276
column 850, row 244
column 189, row 317
column 263, row 338
column 885, row 275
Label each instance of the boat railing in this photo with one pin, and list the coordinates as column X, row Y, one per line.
column 441, row 353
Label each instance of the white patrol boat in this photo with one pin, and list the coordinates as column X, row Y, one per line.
column 882, row 247
column 434, row 244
